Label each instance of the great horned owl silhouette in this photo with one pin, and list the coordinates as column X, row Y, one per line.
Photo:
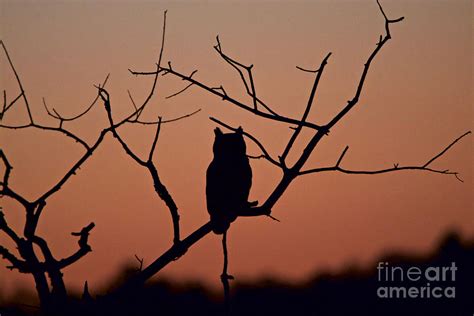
column 228, row 180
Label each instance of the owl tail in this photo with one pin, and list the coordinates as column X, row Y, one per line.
column 219, row 225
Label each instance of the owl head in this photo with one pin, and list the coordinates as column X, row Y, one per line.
column 230, row 144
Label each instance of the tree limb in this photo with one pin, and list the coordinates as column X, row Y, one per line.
column 84, row 247
column 396, row 167
column 298, row 129
column 18, row 81
column 20, row 265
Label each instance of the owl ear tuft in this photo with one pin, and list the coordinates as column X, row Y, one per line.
column 218, row 132
column 240, row 130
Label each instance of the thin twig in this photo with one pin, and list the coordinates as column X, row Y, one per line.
column 396, row 167
column 155, row 79
column 77, row 116
column 351, row 103
column 168, row 120
column 141, row 263
column 18, row 81
column 446, row 149
column 226, row 97
column 155, row 140
column 307, row 70
column 179, row 92
column 298, row 129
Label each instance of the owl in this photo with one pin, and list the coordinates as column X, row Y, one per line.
column 228, row 179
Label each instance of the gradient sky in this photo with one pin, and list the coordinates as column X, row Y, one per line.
column 417, row 99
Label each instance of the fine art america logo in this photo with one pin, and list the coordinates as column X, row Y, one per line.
column 414, row 282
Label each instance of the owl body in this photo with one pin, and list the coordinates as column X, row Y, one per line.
column 228, row 180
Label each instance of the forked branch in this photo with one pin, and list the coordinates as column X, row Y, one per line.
column 396, row 167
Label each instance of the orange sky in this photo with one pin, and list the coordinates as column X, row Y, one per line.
column 417, row 99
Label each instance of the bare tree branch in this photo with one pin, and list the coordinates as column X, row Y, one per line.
column 155, row 79
column 7, row 191
column 141, row 263
column 61, row 120
column 33, row 214
column 446, row 149
column 180, row 91
column 173, row 253
column 7, row 107
column 8, row 168
column 351, row 103
column 160, row 188
column 75, row 167
column 73, row 118
column 20, row 265
column 4, row 226
column 134, row 106
column 250, row 91
column 113, row 127
column 84, row 247
column 155, row 140
column 307, row 70
column 48, row 128
column 43, row 245
column 306, row 112
column 18, row 81
column 396, row 167
column 241, row 105
column 168, row 120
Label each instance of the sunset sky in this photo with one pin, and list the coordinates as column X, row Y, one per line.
column 417, row 99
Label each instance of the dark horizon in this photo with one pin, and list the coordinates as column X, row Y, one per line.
column 349, row 284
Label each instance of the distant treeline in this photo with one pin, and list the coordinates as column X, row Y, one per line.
column 351, row 292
